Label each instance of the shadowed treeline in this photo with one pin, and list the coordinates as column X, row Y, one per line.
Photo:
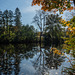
column 12, row 30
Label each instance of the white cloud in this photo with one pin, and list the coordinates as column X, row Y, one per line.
column 30, row 9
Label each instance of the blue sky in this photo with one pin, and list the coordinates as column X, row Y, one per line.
column 27, row 11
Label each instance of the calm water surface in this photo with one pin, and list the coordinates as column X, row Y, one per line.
column 22, row 59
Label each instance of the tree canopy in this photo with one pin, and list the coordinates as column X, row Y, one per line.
column 48, row 5
column 12, row 29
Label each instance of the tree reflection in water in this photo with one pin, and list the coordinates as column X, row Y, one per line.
column 6, row 65
column 71, row 69
column 46, row 60
column 53, row 61
column 11, row 56
column 42, row 59
column 39, row 62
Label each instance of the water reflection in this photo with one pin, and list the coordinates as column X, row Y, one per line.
column 46, row 60
column 11, row 56
column 17, row 59
column 53, row 61
column 71, row 69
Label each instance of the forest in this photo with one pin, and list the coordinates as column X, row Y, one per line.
column 13, row 31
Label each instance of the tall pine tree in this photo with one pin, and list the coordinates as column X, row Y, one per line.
column 18, row 18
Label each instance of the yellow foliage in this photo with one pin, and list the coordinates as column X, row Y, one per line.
column 59, row 53
column 52, row 4
column 73, row 28
column 55, row 51
column 61, row 12
column 68, row 24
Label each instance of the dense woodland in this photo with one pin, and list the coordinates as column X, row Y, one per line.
column 13, row 31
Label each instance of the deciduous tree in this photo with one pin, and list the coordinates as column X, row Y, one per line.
column 48, row 5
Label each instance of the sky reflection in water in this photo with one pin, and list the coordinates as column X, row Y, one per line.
column 22, row 59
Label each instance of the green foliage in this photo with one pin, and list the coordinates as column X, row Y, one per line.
column 54, row 30
column 11, row 29
column 69, row 44
column 17, row 18
column 26, row 33
column 70, row 33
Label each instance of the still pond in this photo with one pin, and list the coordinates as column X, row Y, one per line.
column 31, row 59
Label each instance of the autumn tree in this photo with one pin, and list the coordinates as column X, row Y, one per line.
column 48, row 5
column 70, row 33
column 69, row 39
column 61, row 5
